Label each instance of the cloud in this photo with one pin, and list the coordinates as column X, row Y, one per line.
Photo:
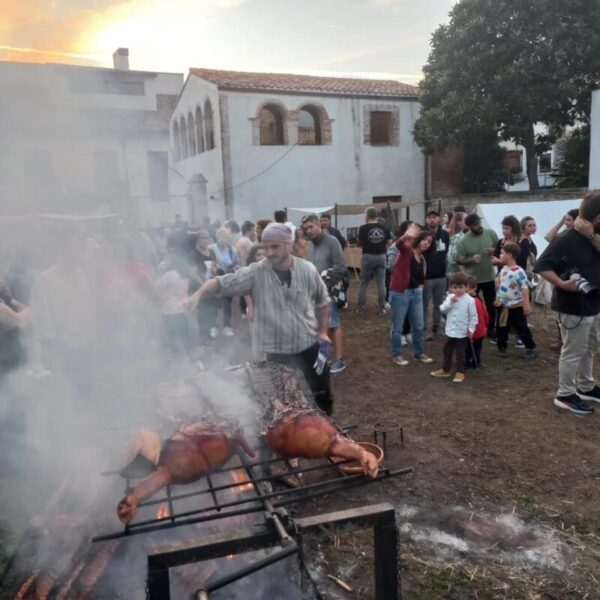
column 47, row 31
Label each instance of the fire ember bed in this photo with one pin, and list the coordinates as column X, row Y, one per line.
column 252, row 488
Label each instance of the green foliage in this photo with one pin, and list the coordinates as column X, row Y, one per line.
column 504, row 65
column 483, row 164
column 572, row 159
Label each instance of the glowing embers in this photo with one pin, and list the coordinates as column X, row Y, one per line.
column 240, row 477
column 163, row 511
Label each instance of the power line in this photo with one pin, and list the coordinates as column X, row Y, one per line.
column 257, row 174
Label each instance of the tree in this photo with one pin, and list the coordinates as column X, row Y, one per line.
column 506, row 65
column 483, row 163
column 572, row 159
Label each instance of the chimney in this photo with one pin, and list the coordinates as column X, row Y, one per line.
column 121, row 59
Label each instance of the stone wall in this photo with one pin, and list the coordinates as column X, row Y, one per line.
column 470, row 201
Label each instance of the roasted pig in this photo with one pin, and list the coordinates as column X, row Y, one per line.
column 311, row 434
column 293, row 425
column 193, row 451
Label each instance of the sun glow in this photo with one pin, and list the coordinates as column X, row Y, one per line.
column 161, row 36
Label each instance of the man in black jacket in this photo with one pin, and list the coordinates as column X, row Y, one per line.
column 572, row 265
column 435, row 276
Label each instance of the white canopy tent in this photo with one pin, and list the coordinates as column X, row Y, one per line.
column 545, row 212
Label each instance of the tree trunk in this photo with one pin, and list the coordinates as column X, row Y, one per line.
column 532, row 162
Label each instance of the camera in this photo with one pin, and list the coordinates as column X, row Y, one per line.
column 583, row 285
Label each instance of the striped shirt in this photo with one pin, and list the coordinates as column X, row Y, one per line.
column 285, row 318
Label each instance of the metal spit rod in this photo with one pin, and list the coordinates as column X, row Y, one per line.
column 297, row 495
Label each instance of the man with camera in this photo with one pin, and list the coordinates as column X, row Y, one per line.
column 572, row 265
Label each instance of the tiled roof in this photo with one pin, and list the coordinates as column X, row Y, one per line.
column 284, row 82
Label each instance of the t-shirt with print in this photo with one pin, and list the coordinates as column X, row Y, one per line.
column 511, row 282
column 373, row 238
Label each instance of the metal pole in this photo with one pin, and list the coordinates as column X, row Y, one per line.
column 386, row 550
column 247, row 570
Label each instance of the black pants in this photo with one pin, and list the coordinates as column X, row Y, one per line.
column 517, row 318
column 488, row 289
column 176, row 335
column 319, row 384
column 226, row 305
column 457, row 347
column 207, row 318
column 473, row 354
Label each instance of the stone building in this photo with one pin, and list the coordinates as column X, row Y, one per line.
column 246, row 144
column 84, row 140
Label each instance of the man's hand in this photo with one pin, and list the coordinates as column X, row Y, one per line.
column 470, row 336
column 476, row 258
column 584, row 227
column 191, row 302
column 527, row 309
column 323, row 337
column 453, row 298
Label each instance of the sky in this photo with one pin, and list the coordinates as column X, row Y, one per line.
column 378, row 38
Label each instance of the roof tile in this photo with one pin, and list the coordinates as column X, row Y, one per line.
column 285, row 82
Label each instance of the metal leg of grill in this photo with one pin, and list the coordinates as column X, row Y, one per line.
column 386, row 543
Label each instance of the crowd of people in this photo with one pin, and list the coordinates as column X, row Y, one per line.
column 450, row 278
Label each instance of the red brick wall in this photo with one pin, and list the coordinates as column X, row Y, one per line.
column 447, row 173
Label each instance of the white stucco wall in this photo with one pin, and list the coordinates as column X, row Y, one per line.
column 208, row 163
column 347, row 171
column 594, row 182
column 41, row 114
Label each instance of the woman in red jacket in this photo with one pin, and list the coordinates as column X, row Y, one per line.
column 406, row 292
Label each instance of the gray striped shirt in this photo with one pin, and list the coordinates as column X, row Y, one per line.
column 285, row 319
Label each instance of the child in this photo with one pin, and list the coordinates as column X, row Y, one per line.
column 512, row 300
column 473, row 353
column 461, row 321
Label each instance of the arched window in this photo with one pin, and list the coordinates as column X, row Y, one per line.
column 191, row 134
column 309, row 126
column 199, row 130
column 183, row 146
column 271, row 126
column 209, row 128
column 176, row 142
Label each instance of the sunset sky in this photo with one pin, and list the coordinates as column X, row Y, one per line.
column 365, row 37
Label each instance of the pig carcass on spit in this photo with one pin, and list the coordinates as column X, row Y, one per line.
column 293, row 426
column 194, row 450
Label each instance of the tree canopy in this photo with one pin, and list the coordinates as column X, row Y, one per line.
column 505, row 65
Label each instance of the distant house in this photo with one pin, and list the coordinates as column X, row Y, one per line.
column 594, row 182
column 86, row 140
column 268, row 141
column 516, row 163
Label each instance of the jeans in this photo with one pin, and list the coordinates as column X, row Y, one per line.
column 580, row 343
column 409, row 302
column 434, row 289
column 372, row 265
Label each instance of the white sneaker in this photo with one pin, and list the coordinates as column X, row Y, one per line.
column 228, row 332
column 214, row 332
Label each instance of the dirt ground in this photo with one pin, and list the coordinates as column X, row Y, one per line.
column 494, row 445
column 503, row 502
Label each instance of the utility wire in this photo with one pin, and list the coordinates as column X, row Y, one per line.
column 257, row 174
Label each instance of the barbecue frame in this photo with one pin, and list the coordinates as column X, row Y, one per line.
column 381, row 517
